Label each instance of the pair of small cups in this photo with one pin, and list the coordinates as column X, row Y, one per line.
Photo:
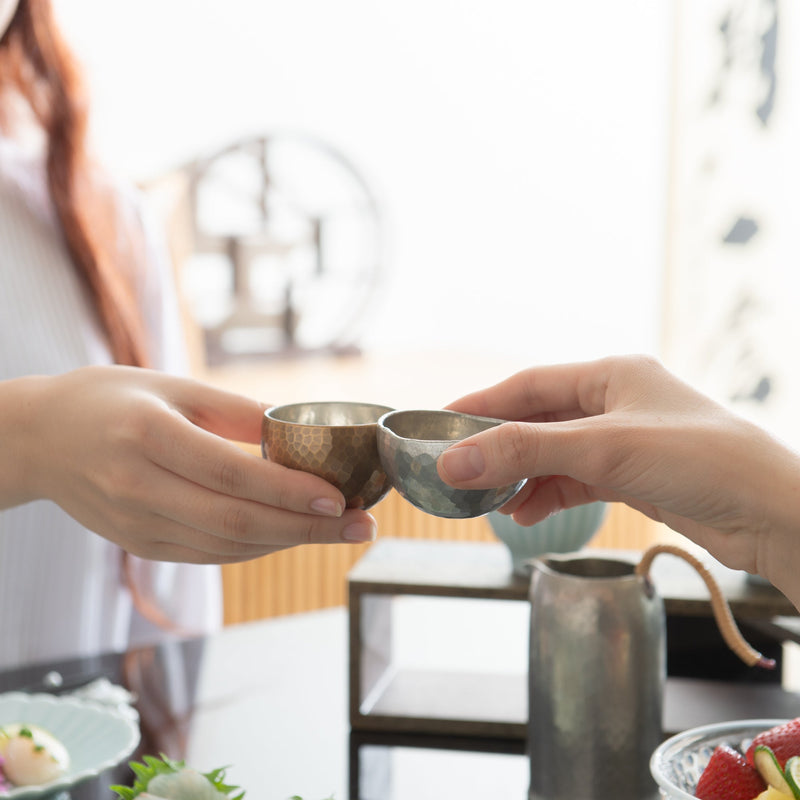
column 365, row 449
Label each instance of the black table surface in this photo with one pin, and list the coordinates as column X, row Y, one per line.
column 269, row 700
column 266, row 699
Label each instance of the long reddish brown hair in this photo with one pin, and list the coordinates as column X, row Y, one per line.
column 35, row 61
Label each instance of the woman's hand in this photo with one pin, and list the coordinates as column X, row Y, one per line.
column 625, row 429
column 144, row 459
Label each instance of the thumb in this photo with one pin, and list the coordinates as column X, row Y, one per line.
column 501, row 455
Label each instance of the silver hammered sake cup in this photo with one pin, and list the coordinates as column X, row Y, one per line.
column 410, row 443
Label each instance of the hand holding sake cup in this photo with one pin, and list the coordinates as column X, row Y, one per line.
column 365, row 449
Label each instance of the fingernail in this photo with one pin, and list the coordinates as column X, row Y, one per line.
column 326, row 506
column 463, row 463
column 360, row 532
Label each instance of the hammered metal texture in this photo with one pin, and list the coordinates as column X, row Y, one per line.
column 345, row 455
column 410, row 442
column 596, row 680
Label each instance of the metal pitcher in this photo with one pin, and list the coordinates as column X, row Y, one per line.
column 596, row 679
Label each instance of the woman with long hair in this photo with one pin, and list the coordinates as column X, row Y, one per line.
column 120, row 488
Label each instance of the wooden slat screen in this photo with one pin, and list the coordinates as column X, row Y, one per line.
column 314, row 576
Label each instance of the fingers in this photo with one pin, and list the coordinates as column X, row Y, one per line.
column 543, row 393
column 180, row 447
column 185, row 521
column 174, row 547
column 171, row 540
column 541, row 497
column 192, row 440
column 220, row 522
column 575, row 420
column 510, row 452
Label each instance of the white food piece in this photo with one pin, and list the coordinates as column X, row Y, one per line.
column 32, row 760
column 188, row 784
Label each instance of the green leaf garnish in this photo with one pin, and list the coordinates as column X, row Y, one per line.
column 166, row 766
column 297, row 797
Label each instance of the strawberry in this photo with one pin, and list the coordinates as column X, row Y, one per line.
column 728, row 776
column 783, row 740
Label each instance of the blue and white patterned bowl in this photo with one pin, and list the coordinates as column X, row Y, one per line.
column 677, row 764
column 563, row 532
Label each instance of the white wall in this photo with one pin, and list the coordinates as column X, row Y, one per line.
column 518, row 148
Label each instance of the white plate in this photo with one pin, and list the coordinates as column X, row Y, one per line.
column 97, row 737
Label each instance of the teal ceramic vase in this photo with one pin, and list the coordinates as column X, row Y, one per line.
column 563, row 532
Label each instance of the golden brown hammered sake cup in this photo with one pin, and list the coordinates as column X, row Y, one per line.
column 335, row 440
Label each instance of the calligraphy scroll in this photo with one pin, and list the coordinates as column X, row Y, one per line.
column 732, row 316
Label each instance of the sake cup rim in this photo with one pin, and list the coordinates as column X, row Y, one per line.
column 268, row 413
column 397, row 412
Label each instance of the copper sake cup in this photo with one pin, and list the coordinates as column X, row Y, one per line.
column 335, row 440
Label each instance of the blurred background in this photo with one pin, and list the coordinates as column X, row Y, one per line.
column 401, row 202
column 517, row 153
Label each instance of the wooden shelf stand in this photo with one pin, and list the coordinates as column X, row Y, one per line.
column 385, row 699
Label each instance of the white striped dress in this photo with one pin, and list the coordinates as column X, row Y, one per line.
column 62, row 593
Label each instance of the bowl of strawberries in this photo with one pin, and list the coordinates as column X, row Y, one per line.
column 757, row 759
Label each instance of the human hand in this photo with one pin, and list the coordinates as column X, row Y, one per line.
column 624, row 429
column 144, row 459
